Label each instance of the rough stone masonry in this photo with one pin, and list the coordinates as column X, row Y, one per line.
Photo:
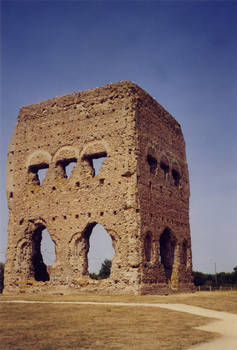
column 140, row 195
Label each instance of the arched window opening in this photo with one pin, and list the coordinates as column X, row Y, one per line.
column 165, row 169
column 176, row 177
column 69, row 168
column 95, row 161
column 167, row 252
column 147, row 246
column 37, row 173
column 97, row 164
column 152, row 163
column 42, row 174
column 66, row 166
column 40, row 258
column 100, row 252
column 184, row 252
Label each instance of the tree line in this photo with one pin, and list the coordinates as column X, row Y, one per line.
column 221, row 279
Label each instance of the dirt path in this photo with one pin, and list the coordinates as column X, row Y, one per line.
column 225, row 323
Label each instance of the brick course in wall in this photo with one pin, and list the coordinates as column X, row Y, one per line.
column 140, row 195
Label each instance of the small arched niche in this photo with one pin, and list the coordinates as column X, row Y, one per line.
column 164, row 166
column 176, row 174
column 152, row 162
column 37, row 173
column 65, row 160
column 184, row 253
column 99, row 251
column 65, row 167
column 168, row 245
column 93, row 156
column 95, row 161
column 148, row 246
column 176, row 177
column 37, row 165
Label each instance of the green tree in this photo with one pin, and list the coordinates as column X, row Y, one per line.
column 105, row 269
column 234, row 275
column 93, row 276
column 199, row 278
column 1, row 276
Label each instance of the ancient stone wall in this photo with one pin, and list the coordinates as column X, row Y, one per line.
column 140, row 195
column 163, row 191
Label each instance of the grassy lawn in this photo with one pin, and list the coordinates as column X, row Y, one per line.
column 97, row 327
column 65, row 326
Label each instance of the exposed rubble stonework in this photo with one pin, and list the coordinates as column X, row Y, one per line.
column 140, row 195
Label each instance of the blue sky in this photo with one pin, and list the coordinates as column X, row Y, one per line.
column 184, row 54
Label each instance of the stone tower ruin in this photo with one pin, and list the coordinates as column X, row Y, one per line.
column 140, row 195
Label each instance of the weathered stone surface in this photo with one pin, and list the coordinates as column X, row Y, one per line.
column 140, row 195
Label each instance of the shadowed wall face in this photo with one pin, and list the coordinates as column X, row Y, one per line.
column 163, row 192
column 140, row 195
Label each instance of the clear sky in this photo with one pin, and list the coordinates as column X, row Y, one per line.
column 184, row 54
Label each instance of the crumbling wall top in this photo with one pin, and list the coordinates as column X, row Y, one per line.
column 124, row 90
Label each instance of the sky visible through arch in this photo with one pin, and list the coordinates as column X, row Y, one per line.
column 101, row 248
column 184, row 54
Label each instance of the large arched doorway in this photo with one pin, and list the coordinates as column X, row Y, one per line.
column 167, row 251
column 100, row 251
column 43, row 253
column 47, row 248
